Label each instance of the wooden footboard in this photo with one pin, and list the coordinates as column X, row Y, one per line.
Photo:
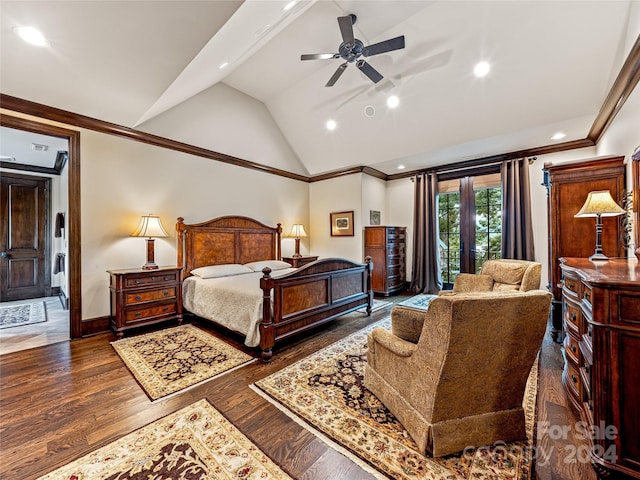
column 314, row 294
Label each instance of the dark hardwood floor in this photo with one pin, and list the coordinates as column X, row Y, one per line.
column 63, row 401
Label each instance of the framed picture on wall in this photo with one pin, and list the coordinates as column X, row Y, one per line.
column 374, row 217
column 342, row 224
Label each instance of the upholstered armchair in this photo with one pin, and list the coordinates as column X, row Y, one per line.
column 500, row 275
column 446, row 375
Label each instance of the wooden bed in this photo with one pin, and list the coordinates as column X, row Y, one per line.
column 310, row 296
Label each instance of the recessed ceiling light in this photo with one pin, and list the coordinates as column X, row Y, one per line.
column 223, row 65
column 401, row 167
column 331, row 124
column 289, row 5
column 369, row 111
column 31, row 35
column 558, row 136
column 393, row 101
column 481, row 69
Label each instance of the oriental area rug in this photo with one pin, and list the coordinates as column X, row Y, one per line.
column 173, row 359
column 194, row 442
column 22, row 314
column 325, row 393
column 420, row 301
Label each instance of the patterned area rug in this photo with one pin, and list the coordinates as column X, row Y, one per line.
column 420, row 301
column 195, row 442
column 326, row 390
column 23, row 314
column 177, row 358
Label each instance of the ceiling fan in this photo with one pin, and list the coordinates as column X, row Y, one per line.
column 351, row 49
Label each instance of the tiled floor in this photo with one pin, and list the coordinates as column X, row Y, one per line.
column 54, row 330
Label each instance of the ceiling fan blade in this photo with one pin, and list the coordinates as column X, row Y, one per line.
column 334, row 78
column 369, row 71
column 319, row 56
column 383, row 47
column 346, row 28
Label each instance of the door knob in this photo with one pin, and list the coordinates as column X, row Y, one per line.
column 4, row 255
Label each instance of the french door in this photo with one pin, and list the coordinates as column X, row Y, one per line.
column 470, row 223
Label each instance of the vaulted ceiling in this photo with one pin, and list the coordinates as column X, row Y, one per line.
column 128, row 62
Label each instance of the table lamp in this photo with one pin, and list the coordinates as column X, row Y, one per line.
column 297, row 231
column 599, row 204
column 150, row 226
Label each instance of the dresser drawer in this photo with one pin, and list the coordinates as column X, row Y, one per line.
column 572, row 316
column 159, row 278
column 143, row 314
column 134, row 298
column 572, row 348
column 571, row 378
column 572, row 286
column 587, row 294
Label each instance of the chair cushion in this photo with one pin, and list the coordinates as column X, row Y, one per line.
column 510, row 273
column 466, row 282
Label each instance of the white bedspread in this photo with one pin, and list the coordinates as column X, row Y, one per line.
column 234, row 302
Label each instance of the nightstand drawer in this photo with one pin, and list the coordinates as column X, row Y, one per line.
column 142, row 314
column 157, row 278
column 150, row 296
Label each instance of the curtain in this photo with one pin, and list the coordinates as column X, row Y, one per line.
column 517, row 230
column 426, row 262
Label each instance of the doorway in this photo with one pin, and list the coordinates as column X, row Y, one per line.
column 470, row 223
column 72, row 219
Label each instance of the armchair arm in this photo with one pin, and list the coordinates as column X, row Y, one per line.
column 388, row 340
column 406, row 323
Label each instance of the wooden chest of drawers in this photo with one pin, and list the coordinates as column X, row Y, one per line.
column 143, row 297
column 601, row 320
column 386, row 247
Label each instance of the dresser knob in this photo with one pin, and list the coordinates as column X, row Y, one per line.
column 574, row 379
column 137, row 281
column 165, row 309
column 138, row 297
column 167, row 278
column 138, row 314
column 573, row 348
column 587, row 367
column 573, row 317
column 166, row 292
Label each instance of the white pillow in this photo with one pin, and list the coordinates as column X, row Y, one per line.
column 215, row 271
column 272, row 264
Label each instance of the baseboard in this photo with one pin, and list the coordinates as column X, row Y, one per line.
column 94, row 326
column 64, row 301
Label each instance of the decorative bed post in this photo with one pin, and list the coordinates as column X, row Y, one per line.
column 267, row 334
column 369, row 263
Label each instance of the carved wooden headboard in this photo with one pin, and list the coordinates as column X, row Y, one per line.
column 222, row 240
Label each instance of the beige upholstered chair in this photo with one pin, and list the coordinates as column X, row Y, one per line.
column 446, row 375
column 501, row 275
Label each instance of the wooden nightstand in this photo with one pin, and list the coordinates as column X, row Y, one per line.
column 143, row 297
column 299, row 261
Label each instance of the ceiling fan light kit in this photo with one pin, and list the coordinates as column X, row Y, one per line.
column 352, row 49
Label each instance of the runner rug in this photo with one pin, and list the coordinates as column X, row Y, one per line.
column 326, row 391
column 22, row 314
column 195, row 442
column 173, row 359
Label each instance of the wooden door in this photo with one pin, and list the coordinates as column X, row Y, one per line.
column 24, row 247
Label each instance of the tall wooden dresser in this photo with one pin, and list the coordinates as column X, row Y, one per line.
column 568, row 185
column 386, row 247
column 601, row 314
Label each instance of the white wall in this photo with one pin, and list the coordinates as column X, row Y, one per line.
column 122, row 180
column 225, row 120
column 336, row 195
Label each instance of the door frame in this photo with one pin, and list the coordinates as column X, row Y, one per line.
column 73, row 215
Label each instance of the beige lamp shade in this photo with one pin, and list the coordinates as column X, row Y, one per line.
column 599, row 203
column 297, row 231
column 150, row 226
